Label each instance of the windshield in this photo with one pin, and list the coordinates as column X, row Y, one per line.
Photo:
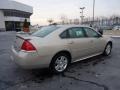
column 44, row 31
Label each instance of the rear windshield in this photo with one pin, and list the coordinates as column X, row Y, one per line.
column 44, row 31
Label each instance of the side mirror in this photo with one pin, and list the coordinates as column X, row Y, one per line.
column 100, row 31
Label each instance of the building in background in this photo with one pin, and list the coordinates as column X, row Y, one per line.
column 13, row 14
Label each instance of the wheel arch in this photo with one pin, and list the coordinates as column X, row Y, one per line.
column 110, row 42
column 60, row 52
column 65, row 52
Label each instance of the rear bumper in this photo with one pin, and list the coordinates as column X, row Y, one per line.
column 30, row 60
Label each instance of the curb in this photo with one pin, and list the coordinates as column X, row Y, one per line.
column 115, row 36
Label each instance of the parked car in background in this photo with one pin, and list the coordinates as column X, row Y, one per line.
column 116, row 28
column 56, row 46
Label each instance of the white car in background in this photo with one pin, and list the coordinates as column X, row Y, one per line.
column 116, row 28
column 57, row 46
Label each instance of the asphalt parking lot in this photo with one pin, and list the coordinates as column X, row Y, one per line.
column 98, row 73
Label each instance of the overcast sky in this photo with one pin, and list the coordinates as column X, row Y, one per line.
column 45, row 9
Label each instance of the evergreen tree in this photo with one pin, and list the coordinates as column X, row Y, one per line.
column 26, row 26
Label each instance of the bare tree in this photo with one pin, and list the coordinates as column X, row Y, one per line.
column 50, row 21
column 76, row 21
column 63, row 19
column 70, row 21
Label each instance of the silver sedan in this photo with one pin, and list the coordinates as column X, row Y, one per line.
column 57, row 46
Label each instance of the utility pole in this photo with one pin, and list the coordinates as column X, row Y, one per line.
column 82, row 14
column 93, row 11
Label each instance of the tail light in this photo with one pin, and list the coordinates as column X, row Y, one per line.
column 27, row 46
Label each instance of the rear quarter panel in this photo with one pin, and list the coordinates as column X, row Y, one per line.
column 48, row 47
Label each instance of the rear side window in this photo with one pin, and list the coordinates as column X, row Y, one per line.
column 44, row 31
column 77, row 32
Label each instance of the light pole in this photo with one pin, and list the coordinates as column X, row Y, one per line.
column 93, row 11
column 82, row 15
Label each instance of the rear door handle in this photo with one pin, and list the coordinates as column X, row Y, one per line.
column 71, row 42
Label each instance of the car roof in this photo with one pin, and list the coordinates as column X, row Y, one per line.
column 67, row 26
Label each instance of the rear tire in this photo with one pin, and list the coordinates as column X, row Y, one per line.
column 108, row 49
column 59, row 63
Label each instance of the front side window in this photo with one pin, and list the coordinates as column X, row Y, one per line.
column 44, row 31
column 91, row 33
column 76, row 32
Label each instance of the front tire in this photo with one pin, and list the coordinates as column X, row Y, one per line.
column 108, row 49
column 59, row 63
